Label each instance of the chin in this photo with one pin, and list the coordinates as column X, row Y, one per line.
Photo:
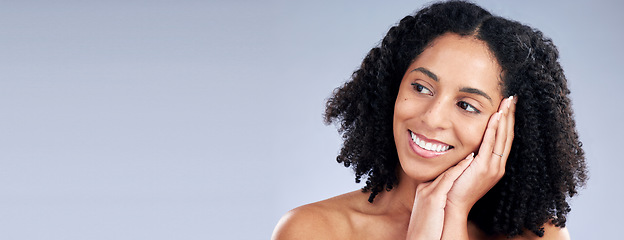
column 420, row 173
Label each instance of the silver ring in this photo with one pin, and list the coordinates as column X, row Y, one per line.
column 500, row 155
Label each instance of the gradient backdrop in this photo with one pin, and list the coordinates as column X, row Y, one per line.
column 203, row 120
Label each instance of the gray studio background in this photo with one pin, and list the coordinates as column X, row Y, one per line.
column 203, row 120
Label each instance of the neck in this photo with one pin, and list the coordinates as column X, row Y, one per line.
column 400, row 199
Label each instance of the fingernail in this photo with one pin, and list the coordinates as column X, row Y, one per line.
column 515, row 99
column 498, row 115
column 511, row 99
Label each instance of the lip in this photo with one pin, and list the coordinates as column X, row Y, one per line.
column 424, row 152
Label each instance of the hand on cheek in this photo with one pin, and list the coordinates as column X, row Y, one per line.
column 489, row 164
column 452, row 194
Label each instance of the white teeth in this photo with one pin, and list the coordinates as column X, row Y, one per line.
column 434, row 147
column 429, row 146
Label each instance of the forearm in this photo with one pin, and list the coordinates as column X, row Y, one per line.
column 455, row 224
column 425, row 222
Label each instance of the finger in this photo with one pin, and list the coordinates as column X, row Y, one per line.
column 444, row 175
column 511, row 121
column 498, row 153
column 445, row 181
column 487, row 145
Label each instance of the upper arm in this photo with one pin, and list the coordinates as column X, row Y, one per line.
column 305, row 222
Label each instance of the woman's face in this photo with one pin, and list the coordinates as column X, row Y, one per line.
column 445, row 100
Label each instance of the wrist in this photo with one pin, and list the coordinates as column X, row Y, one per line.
column 456, row 215
column 455, row 223
column 457, row 209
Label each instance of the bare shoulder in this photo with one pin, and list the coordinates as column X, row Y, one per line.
column 327, row 219
column 312, row 221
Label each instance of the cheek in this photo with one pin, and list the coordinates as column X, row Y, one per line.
column 472, row 135
column 405, row 107
column 401, row 108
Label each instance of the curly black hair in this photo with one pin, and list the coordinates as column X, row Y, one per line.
column 546, row 164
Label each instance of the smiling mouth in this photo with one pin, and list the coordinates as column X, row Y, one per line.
column 437, row 147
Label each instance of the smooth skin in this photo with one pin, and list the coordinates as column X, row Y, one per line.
column 449, row 95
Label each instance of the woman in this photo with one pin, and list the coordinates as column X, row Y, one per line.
column 460, row 121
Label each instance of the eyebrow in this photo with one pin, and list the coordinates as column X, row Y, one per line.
column 465, row 89
column 427, row 72
column 476, row 91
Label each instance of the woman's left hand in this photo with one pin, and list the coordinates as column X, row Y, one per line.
column 488, row 166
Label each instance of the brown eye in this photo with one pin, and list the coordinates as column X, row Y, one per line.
column 467, row 107
column 421, row 89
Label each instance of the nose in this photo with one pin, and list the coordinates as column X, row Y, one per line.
column 438, row 116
